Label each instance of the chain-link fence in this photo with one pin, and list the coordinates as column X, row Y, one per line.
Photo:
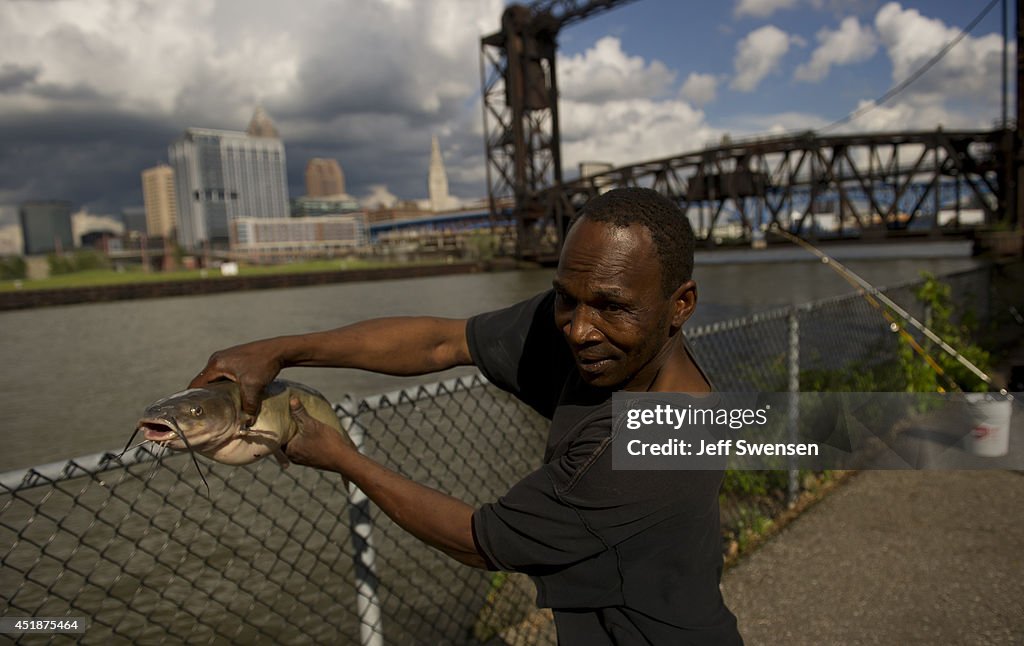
column 287, row 556
column 757, row 353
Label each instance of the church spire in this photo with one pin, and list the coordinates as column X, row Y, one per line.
column 437, row 179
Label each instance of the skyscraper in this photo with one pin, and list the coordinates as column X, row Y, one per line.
column 437, row 179
column 222, row 174
column 324, row 178
column 46, row 226
column 161, row 203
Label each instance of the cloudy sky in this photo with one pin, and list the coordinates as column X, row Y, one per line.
column 93, row 91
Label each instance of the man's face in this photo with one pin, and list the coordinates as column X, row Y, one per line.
column 610, row 305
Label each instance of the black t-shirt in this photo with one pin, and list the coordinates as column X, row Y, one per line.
column 622, row 557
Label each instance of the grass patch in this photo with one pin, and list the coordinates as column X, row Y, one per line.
column 105, row 277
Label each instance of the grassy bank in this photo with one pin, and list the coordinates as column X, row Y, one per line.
column 103, row 277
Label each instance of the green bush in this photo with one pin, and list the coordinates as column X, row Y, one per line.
column 13, row 268
column 918, row 373
column 482, row 245
column 60, row 264
column 865, row 376
column 908, row 371
column 754, row 483
column 77, row 261
column 87, row 260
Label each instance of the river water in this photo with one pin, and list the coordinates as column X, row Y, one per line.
column 75, row 378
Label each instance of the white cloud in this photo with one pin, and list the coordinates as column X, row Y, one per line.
column 962, row 90
column 758, row 55
column 605, row 73
column 631, row 130
column 379, row 197
column 913, row 113
column 773, row 124
column 761, row 8
column 196, row 60
column 139, row 56
column 970, row 69
column 613, row 108
column 699, row 89
column 851, row 43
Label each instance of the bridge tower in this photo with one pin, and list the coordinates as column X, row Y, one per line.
column 520, row 104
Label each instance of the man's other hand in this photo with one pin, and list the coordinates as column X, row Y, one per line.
column 316, row 444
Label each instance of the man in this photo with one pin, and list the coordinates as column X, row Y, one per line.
column 622, row 557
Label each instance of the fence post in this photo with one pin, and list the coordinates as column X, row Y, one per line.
column 371, row 632
column 793, row 364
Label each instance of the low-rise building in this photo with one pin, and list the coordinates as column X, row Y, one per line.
column 272, row 239
column 311, row 207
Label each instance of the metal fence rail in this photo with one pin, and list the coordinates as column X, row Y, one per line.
column 287, row 556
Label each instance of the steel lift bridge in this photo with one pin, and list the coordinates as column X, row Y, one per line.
column 870, row 185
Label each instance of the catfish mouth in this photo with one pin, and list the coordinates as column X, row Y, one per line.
column 157, row 430
column 161, row 431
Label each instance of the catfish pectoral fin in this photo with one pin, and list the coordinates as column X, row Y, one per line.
column 256, row 433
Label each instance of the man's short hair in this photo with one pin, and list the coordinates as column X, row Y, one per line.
column 669, row 227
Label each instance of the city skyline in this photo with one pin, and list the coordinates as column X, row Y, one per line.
column 102, row 91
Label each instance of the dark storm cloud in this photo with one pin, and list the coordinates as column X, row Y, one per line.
column 93, row 160
column 13, row 77
column 77, row 93
column 72, row 128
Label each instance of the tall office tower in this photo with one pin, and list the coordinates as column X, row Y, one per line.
column 437, row 179
column 161, row 203
column 223, row 174
column 324, row 178
column 46, row 226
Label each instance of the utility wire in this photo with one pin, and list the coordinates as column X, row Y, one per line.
column 896, row 89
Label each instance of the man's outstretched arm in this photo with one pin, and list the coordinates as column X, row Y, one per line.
column 437, row 519
column 396, row 346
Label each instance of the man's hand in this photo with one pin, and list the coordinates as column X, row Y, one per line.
column 435, row 518
column 251, row 365
column 316, row 444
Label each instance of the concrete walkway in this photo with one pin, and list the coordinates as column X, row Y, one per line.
column 892, row 557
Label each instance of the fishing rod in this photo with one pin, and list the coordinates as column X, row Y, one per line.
column 873, row 295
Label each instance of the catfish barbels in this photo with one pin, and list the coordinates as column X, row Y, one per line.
column 209, row 421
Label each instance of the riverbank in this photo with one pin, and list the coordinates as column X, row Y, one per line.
column 216, row 283
column 150, row 286
column 842, row 251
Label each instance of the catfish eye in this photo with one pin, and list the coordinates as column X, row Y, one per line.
column 196, row 411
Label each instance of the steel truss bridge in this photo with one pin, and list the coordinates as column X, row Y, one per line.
column 884, row 181
column 879, row 182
